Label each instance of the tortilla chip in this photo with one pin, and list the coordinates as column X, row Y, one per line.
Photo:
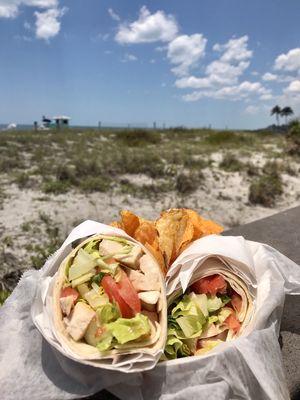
column 130, row 222
column 117, row 224
column 197, row 222
column 210, row 227
column 146, row 232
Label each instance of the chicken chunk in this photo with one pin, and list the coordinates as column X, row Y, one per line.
column 116, row 249
column 79, row 320
column 142, row 282
column 66, row 304
column 149, row 299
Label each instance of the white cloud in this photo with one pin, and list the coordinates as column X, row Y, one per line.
column 185, row 52
column 236, row 49
column 268, row 76
column 221, row 72
column 193, row 82
column 48, row 23
column 113, row 14
column 129, row 57
column 148, row 28
column 10, row 8
column 266, row 96
column 252, row 110
column 242, row 91
column 289, row 61
column 293, row 88
column 225, row 71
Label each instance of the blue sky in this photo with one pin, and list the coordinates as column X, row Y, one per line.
column 193, row 63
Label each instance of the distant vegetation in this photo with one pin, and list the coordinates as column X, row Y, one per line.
column 56, row 162
column 282, row 112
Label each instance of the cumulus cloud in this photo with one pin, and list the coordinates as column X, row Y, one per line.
column 289, row 61
column 293, row 88
column 10, row 8
column 148, row 28
column 237, row 92
column 268, row 76
column 225, row 71
column 185, row 51
column 113, row 14
column 236, row 49
column 48, row 23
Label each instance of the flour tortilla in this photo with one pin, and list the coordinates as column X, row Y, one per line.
column 212, row 266
column 84, row 351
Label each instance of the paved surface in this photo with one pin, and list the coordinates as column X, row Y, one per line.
column 282, row 231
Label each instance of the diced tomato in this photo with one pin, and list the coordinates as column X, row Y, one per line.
column 236, row 302
column 128, row 293
column 111, row 289
column 68, row 291
column 210, row 285
column 232, row 322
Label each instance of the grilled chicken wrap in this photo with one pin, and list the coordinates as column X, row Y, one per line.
column 216, row 307
column 109, row 299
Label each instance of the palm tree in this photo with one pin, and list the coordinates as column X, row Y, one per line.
column 286, row 112
column 277, row 111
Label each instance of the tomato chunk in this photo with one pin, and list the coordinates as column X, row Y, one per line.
column 210, row 285
column 68, row 291
column 236, row 302
column 232, row 322
column 111, row 289
column 128, row 293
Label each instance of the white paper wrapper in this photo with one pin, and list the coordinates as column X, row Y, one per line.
column 249, row 367
column 42, row 309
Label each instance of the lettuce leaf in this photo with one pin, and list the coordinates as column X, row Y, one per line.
column 125, row 330
column 214, row 303
column 107, row 313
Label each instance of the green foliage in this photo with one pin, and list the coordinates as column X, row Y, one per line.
column 293, row 139
column 137, row 137
column 230, row 163
column 188, row 182
column 56, row 187
column 220, row 138
column 266, row 188
column 3, row 296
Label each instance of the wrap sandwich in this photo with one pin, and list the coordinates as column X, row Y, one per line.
column 216, row 307
column 109, row 301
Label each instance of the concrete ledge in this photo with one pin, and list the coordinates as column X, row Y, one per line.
column 282, row 231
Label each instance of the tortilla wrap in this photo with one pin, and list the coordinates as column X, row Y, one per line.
column 81, row 350
column 213, row 265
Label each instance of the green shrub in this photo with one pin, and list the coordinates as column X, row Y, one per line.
column 95, row 184
column 3, row 296
column 230, row 163
column 187, row 182
column 56, row 187
column 265, row 190
column 219, row 138
column 138, row 137
column 293, row 139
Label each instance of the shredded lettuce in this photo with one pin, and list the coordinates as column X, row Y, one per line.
column 124, row 330
column 107, row 313
column 214, row 303
column 190, row 315
column 82, row 264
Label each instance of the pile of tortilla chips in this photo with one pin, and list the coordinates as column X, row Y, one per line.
column 170, row 234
